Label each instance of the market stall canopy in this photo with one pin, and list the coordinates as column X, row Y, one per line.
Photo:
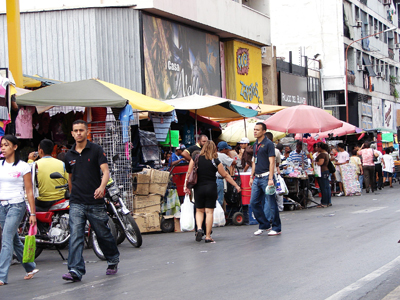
column 91, row 93
column 302, row 119
column 211, row 106
column 235, row 131
column 262, row 109
column 347, row 128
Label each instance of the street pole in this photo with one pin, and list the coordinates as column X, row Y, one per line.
column 346, row 65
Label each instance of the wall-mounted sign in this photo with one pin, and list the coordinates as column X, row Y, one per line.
column 366, row 109
column 243, row 72
column 377, row 113
column 388, row 110
column 293, row 89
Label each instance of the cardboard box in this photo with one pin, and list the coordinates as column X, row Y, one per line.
column 177, row 222
column 148, row 222
column 146, row 204
column 141, row 182
column 159, row 182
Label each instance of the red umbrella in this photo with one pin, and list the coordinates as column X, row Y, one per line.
column 345, row 129
column 302, row 119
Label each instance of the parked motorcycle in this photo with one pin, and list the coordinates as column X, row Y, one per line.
column 53, row 224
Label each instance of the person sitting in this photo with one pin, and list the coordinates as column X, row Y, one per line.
column 298, row 155
column 176, row 157
column 48, row 194
column 286, row 153
column 243, row 143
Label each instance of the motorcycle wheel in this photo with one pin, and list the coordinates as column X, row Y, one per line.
column 95, row 243
column 132, row 231
column 120, row 233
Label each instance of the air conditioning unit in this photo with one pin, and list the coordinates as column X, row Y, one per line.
column 359, row 23
column 397, row 46
column 360, row 67
column 387, row 2
column 380, row 75
column 376, row 34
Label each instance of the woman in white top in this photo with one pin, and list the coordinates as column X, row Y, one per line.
column 14, row 176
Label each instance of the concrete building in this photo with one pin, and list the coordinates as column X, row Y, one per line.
column 163, row 48
column 373, row 63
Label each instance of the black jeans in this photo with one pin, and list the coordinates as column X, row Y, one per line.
column 379, row 171
column 369, row 177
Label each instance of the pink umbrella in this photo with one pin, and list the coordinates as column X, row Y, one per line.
column 302, row 119
column 345, row 129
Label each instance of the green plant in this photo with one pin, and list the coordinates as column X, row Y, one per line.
column 394, row 80
column 395, row 94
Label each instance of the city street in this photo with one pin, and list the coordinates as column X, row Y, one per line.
column 347, row 251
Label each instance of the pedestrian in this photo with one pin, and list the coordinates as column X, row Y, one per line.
column 356, row 161
column 205, row 191
column 84, row 163
column 388, row 170
column 188, row 152
column 227, row 162
column 341, row 158
column 262, row 177
column 379, row 166
column 242, row 144
column 367, row 155
column 15, row 181
column 322, row 160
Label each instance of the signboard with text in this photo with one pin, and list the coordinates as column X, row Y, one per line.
column 293, row 89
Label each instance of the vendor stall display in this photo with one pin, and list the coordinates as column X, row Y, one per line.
column 350, row 182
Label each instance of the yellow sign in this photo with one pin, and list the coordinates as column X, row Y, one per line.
column 243, row 72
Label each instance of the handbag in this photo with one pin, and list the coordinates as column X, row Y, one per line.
column 30, row 245
column 192, row 180
column 187, row 215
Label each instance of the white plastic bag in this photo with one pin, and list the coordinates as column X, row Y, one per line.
column 283, row 189
column 187, row 215
column 219, row 216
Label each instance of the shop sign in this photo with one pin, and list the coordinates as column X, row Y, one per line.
column 179, row 60
column 293, row 89
column 244, row 72
column 388, row 115
column 377, row 113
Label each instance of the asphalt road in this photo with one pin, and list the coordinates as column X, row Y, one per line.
column 347, row 251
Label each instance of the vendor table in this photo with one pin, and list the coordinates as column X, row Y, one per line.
column 299, row 186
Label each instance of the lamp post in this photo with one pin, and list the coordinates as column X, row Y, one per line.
column 347, row 48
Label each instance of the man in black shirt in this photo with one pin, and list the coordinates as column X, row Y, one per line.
column 84, row 163
column 262, row 176
column 187, row 153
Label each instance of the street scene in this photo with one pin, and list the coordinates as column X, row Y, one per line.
column 190, row 149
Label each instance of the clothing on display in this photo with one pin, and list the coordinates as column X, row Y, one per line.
column 23, row 123
column 125, row 116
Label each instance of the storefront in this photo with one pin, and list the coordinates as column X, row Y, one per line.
column 292, row 89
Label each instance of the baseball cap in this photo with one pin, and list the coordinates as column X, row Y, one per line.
column 223, row 145
column 244, row 140
column 182, row 147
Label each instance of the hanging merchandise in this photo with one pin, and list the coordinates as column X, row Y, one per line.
column 162, row 123
column 150, row 150
column 188, row 137
column 23, row 123
column 125, row 116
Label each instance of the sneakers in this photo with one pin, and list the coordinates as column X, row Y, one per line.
column 260, row 231
column 273, row 232
column 340, row 194
column 112, row 269
column 71, row 276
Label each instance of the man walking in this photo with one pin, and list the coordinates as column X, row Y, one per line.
column 84, row 163
column 227, row 162
column 262, row 176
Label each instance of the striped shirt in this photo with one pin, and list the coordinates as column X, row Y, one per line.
column 294, row 156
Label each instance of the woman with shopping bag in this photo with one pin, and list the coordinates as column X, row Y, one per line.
column 205, row 189
column 15, row 175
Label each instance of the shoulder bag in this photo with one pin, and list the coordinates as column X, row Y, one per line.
column 331, row 167
column 374, row 158
column 192, row 180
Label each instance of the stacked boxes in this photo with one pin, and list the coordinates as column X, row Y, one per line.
column 149, row 187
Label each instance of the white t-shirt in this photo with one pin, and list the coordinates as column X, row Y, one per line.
column 389, row 163
column 342, row 157
column 12, row 180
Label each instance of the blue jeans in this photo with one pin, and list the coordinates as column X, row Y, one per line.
column 361, row 180
column 220, row 190
column 264, row 206
column 10, row 217
column 325, row 187
column 98, row 218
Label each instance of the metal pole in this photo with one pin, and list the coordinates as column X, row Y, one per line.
column 195, row 120
column 14, row 41
column 245, row 129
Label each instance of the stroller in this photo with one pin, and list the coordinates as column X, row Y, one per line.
column 233, row 199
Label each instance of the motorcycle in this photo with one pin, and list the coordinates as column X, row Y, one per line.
column 53, row 224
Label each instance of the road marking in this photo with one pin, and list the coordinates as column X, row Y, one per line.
column 86, row 285
column 368, row 210
column 342, row 294
column 393, row 295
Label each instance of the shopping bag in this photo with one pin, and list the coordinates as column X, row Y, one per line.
column 30, row 245
column 187, row 215
column 219, row 216
column 283, row 190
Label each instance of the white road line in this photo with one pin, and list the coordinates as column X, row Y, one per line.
column 87, row 285
column 368, row 210
column 342, row 294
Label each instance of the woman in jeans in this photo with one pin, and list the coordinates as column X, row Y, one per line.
column 322, row 160
column 205, row 191
column 368, row 165
column 14, row 176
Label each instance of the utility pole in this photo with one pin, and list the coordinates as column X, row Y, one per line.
column 14, row 41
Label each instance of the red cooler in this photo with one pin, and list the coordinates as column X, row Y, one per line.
column 178, row 177
column 246, row 190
